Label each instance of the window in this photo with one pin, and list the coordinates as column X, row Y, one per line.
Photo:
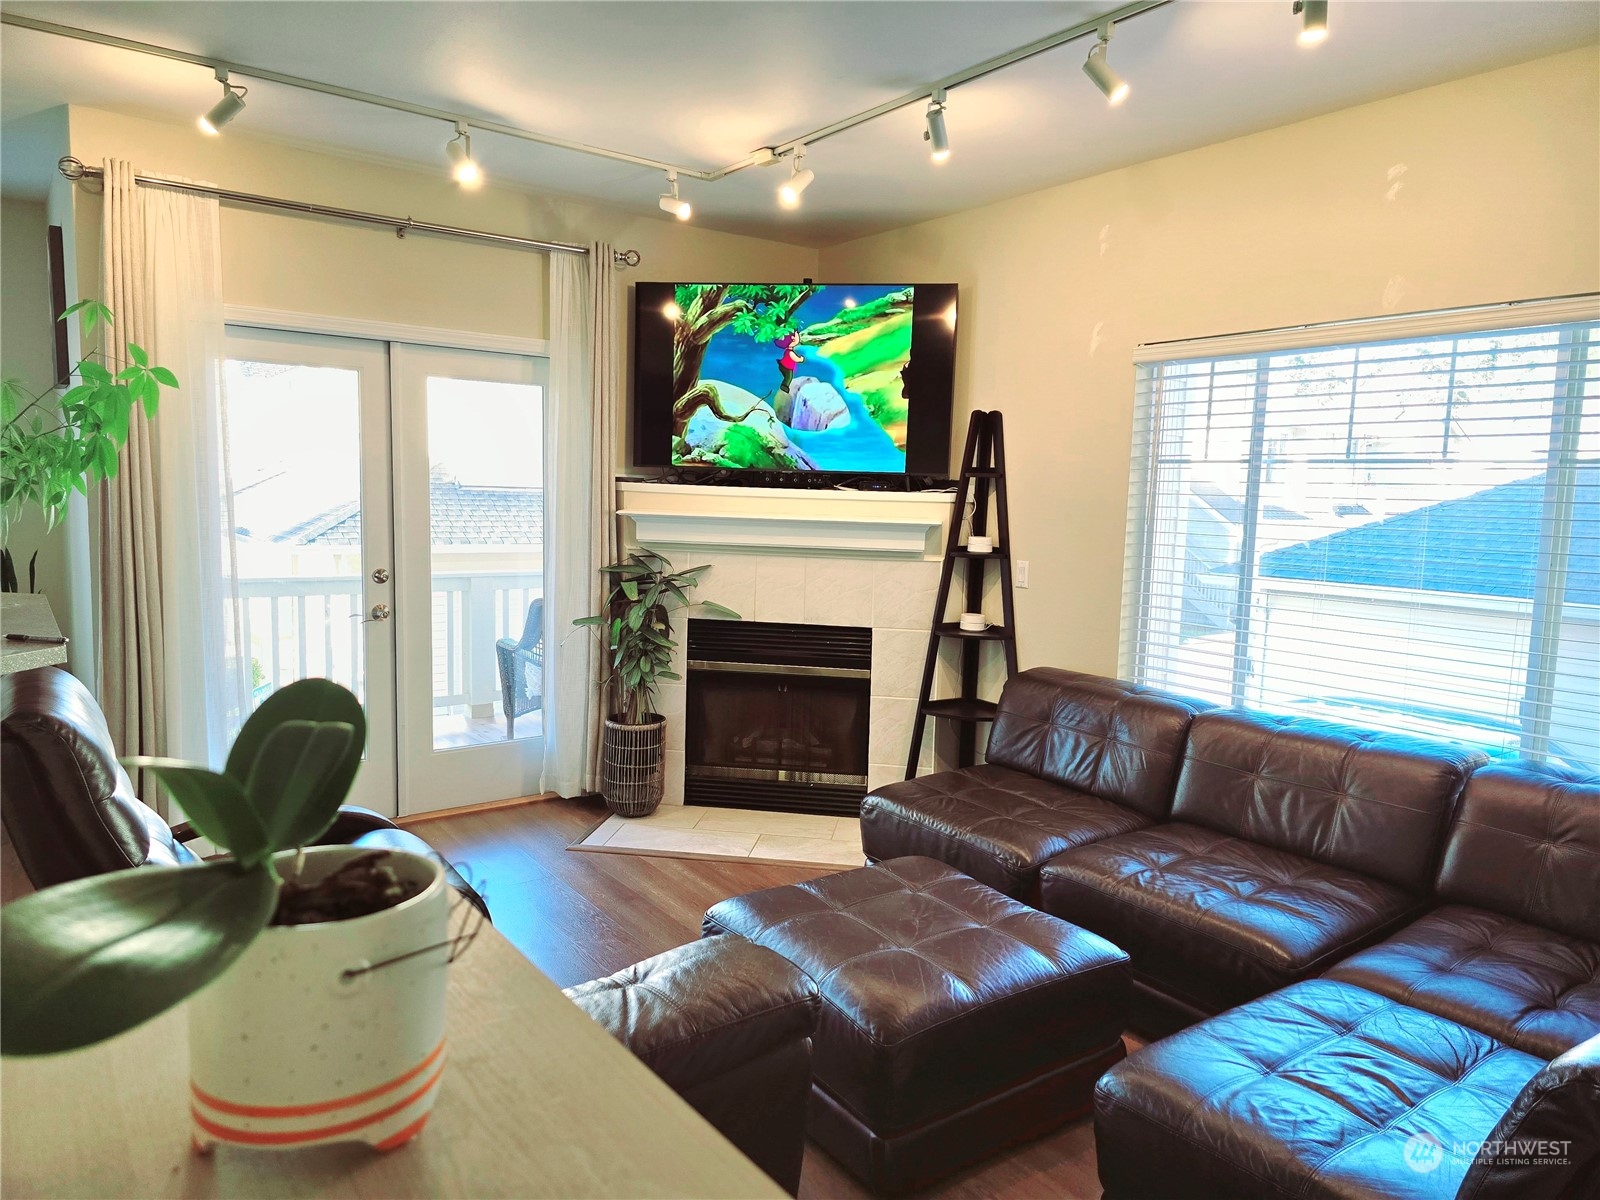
column 1400, row 533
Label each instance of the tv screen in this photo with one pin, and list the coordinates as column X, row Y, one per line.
column 836, row 378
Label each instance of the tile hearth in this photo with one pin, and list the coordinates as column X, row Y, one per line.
column 734, row 834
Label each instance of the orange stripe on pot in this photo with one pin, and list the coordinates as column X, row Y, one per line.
column 271, row 1111
column 290, row 1137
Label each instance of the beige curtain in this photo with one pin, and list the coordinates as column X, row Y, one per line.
column 132, row 650
column 580, row 507
column 605, row 369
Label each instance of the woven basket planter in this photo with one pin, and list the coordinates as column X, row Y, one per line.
column 633, row 774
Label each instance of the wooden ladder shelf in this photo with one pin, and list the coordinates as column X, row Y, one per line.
column 983, row 478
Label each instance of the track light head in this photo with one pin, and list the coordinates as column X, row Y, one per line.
column 670, row 203
column 1098, row 69
column 224, row 110
column 464, row 169
column 1313, row 21
column 935, row 135
column 798, row 181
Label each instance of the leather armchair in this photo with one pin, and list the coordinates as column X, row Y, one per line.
column 727, row 1025
column 70, row 808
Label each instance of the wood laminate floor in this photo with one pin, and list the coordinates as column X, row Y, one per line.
column 579, row 916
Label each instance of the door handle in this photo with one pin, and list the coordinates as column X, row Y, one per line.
column 380, row 612
column 381, row 575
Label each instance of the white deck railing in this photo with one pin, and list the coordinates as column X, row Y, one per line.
column 307, row 625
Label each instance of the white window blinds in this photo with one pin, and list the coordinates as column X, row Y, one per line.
column 1399, row 533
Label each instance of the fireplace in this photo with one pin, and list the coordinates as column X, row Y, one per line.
column 777, row 716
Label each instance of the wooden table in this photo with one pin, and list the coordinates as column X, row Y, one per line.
column 21, row 612
column 537, row 1100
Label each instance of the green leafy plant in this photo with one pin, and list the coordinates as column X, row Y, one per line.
column 50, row 449
column 637, row 626
column 86, row 960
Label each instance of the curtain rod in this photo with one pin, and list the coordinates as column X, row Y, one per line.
column 1498, row 305
column 75, row 170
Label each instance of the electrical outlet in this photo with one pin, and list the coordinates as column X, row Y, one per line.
column 1022, row 572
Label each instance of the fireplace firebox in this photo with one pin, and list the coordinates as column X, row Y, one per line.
column 777, row 716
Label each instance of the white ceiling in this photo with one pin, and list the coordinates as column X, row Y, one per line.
column 706, row 83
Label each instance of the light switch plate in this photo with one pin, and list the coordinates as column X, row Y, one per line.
column 1022, row 573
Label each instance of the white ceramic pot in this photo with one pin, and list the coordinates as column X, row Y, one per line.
column 286, row 1049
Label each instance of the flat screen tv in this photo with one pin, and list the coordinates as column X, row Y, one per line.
column 839, row 379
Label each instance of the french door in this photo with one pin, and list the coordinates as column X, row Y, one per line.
column 388, row 508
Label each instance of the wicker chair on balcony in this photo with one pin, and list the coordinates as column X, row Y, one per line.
column 522, row 668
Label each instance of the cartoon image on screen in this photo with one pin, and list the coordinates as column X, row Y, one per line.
column 790, row 377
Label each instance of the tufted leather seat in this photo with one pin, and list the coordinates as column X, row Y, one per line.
column 1533, row 989
column 1316, row 1091
column 1214, row 920
column 727, row 1025
column 1518, row 955
column 1072, row 758
column 992, row 823
column 1293, row 844
column 954, row 1021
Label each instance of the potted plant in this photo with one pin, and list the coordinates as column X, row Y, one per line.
column 316, row 973
column 644, row 591
column 48, row 451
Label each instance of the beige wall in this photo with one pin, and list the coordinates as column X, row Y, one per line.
column 27, row 352
column 300, row 264
column 1481, row 190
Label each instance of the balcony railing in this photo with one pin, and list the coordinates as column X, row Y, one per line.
column 307, row 625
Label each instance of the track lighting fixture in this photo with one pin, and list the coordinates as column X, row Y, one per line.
column 1098, row 69
column 464, row 168
column 1313, row 21
column 224, row 110
column 798, row 181
column 935, row 135
column 669, row 200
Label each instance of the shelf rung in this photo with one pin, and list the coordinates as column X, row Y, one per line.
column 960, row 710
column 995, row 633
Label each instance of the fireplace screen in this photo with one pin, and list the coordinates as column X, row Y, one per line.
column 777, row 715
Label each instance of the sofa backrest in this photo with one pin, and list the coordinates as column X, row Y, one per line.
column 1374, row 803
column 1114, row 740
column 69, row 807
column 1547, row 1144
column 1526, row 843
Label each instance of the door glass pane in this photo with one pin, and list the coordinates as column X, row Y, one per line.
column 486, row 524
column 294, row 446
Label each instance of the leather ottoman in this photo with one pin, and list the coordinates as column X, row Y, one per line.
column 955, row 1021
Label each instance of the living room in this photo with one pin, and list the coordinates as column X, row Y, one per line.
column 1006, row 598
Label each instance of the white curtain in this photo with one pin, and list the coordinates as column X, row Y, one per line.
column 132, row 623
column 580, row 507
column 207, row 683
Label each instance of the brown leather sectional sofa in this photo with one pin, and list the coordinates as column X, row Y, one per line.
column 1412, row 929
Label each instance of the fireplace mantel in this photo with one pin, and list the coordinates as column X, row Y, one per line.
column 878, row 524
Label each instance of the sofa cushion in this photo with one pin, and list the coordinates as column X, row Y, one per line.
column 1533, row 989
column 1115, row 740
column 1375, row 803
column 1216, row 920
column 1526, row 842
column 1321, row 1090
column 992, row 823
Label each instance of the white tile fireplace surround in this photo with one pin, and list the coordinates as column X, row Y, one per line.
column 813, row 557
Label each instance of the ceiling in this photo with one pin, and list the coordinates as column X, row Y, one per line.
column 704, row 84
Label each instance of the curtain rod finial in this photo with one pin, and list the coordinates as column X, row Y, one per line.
column 625, row 258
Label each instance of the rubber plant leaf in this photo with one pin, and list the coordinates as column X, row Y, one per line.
column 215, row 804
column 87, row 960
column 289, row 785
column 303, row 700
